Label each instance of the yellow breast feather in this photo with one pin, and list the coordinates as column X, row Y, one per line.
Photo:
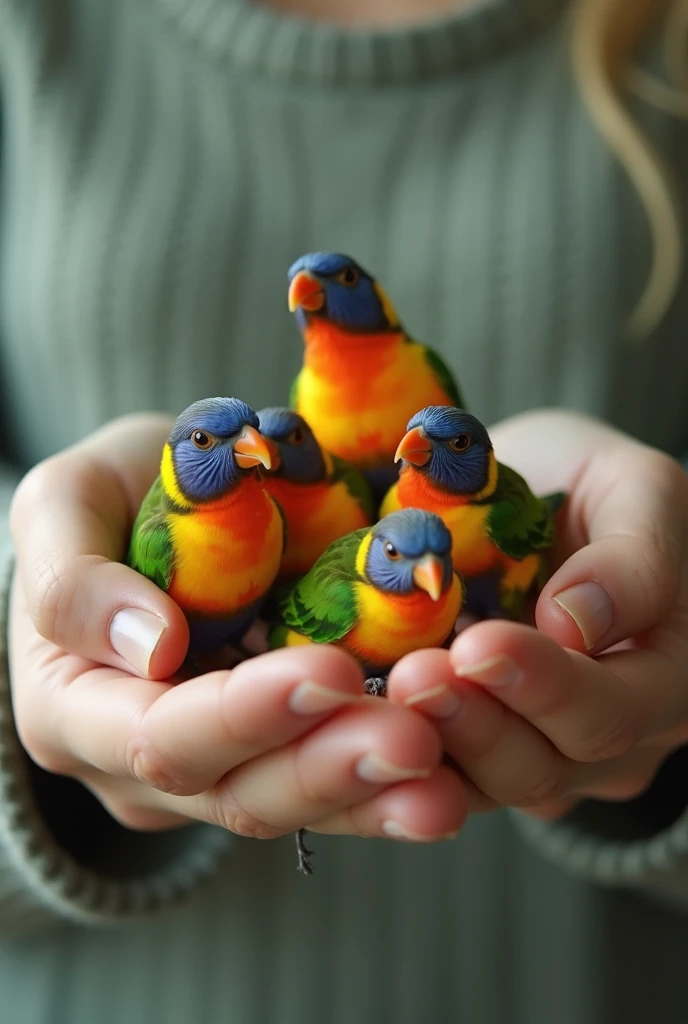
column 390, row 626
column 374, row 409
column 217, row 571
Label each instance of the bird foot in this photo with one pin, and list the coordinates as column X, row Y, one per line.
column 304, row 854
column 376, row 686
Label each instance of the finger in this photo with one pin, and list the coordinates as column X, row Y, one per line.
column 200, row 731
column 587, row 711
column 551, row 811
column 362, row 750
column 623, row 779
column 557, row 431
column 70, row 519
column 592, row 709
column 625, row 578
column 505, row 757
column 194, row 733
column 184, row 738
column 502, row 755
column 421, row 811
column 424, row 809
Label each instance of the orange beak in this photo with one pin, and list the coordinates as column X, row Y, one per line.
column 428, row 574
column 251, row 449
column 306, row 292
column 414, row 447
column 273, row 449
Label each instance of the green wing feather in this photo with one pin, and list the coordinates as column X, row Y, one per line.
column 355, row 484
column 518, row 522
column 151, row 551
column 444, row 377
column 322, row 605
column 294, row 392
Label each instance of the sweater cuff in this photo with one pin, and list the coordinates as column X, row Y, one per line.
column 639, row 844
column 62, row 857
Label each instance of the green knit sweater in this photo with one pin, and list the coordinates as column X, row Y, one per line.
column 162, row 164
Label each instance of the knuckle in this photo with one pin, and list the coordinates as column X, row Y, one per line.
column 612, row 740
column 481, row 743
column 144, row 762
column 31, row 493
column 546, row 788
column 225, row 811
column 353, row 821
column 312, row 789
column 49, row 758
column 657, row 572
column 40, row 748
column 56, row 584
column 51, row 596
column 241, row 731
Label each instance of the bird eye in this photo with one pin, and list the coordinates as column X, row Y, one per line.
column 297, row 436
column 460, row 443
column 202, row 440
column 349, row 276
column 391, row 552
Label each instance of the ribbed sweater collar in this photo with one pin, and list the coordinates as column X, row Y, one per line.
column 259, row 40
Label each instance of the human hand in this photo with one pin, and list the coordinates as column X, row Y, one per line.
column 590, row 703
column 283, row 741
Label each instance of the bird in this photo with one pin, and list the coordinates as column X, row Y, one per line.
column 378, row 593
column 207, row 533
column 321, row 496
column 501, row 533
column 363, row 376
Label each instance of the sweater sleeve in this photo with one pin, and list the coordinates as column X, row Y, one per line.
column 62, row 856
column 636, row 844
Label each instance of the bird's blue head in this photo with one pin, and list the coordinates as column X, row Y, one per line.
column 211, row 444
column 410, row 550
column 451, row 447
column 296, row 455
column 331, row 287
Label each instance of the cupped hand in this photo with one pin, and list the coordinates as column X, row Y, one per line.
column 592, row 701
column 283, row 741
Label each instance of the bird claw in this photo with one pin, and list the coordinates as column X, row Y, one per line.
column 304, row 854
column 376, row 686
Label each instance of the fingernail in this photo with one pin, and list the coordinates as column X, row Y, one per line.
column 440, row 701
column 134, row 634
column 497, row 671
column 590, row 607
column 394, row 830
column 373, row 768
column 312, row 699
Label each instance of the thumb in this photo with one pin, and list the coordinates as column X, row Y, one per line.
column 70, row 520
column 626, row 579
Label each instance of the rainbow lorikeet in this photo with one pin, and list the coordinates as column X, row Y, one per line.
column 207, row 532
column 321, row 496
column 363, row 376
column 501, row 532
column 379, row 592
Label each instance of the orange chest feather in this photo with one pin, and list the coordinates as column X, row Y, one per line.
column 416, row 490
column 358, row 392
column 297, row 500
column 390, row 626
column 473, row 551
column 227, row 552
column 334, row 354
column 316, row 515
